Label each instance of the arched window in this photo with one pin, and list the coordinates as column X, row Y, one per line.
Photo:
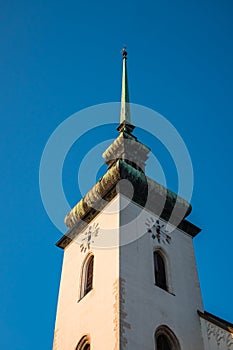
column 84, row 344
column 160, row 270
column 165, row 339
column 87, row 276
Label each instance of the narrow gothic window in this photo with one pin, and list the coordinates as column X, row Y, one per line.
column 87, row 277
column 83, row 344
column 159, row 270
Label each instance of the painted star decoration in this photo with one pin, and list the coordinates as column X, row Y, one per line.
column 158, row 231
column 88, row 237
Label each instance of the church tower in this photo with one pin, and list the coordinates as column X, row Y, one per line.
column 129, row 278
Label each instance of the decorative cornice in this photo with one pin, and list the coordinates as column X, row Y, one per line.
column 127, row 148
column 218, row 329
column 160, row 200
column 228, row 326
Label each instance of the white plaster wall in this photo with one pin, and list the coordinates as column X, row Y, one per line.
column 216, row 338
column 97, row 313
column 146, row 306
column 143, row 305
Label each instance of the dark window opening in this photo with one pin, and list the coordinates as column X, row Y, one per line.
column 160, row 272
column 89, row 276
column 163, row 343
column 84, row 344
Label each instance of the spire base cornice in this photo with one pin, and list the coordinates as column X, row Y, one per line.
column 126, row 127
column 161, row 201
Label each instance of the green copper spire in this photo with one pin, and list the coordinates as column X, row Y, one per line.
column 125, row 107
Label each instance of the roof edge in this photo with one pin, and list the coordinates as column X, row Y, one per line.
column 220, row 322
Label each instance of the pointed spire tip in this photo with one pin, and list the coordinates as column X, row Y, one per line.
column 125, row 107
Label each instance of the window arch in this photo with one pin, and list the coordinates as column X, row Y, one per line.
column 87, row 276
column 160, row 270
column 165, row 339
column 84, row 344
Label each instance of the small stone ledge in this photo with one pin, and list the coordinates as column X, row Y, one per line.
column 216, row 320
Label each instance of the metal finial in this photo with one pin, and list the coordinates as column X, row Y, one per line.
column 124, row 52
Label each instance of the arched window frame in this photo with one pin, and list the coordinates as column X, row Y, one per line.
column 84, row 343
column 169, row 334
column 166, row 267
column 85, row 285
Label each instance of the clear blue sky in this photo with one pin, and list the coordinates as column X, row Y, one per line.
column 59, row 57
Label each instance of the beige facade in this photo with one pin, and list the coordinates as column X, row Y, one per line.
column 96, row 314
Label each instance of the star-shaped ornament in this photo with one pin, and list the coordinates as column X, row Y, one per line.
column 158, row 230
column 88, row 236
